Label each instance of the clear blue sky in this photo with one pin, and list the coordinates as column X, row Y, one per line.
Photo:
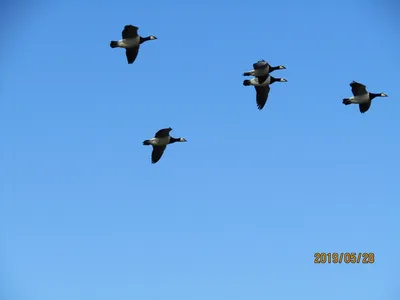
column 238, row 211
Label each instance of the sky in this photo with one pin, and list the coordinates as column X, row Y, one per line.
column 238, row 211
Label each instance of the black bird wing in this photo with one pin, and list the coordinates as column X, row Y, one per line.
column 157, row 153
column 131, row 54
column 163, row 132
column 261, row 79
column 130, row 31
column 358, row 88
column 260, row 65
column 364, row 107
column 262, row 95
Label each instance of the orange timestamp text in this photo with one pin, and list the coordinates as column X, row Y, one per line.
column 347, row 257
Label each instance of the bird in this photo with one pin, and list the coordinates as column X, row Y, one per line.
column 262, row 86
column 361, row 96
column 131, row 41
column 262, row 68
column 160, row 142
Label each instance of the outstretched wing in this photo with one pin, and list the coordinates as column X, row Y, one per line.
column 130, row 31
column 131, row 54
column 262, row 95
column 157, row 153
column 358, row 88
column 163, row 132
column 261, row 79
column 364, row 107
column 261, row 64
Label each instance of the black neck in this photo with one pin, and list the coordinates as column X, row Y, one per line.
column 144, row 39
column 173, row 140
column 273, row 79
column 373, row 95
column 273, row 68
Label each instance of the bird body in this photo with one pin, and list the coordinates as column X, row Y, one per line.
column 261, row 81
column 131, row 42
column 360, row 99
column 128, row 43
column 262, row 68
column 361, row 96
column 160, row 142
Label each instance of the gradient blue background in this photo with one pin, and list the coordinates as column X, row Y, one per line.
column 237, row 212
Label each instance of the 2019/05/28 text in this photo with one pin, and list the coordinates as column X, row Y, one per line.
column 346, row 257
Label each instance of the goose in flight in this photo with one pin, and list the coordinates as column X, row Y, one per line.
column 131, row 41
column 361, row 96
column 160, row 142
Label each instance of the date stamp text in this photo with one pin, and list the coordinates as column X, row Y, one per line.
column 344, row 257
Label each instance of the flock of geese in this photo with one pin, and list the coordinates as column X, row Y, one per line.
column 261, row 81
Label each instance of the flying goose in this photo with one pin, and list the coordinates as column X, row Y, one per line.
column 361, row 96
column 261, row 84
column 160, row 142
column 131, row 41
column 262, row 68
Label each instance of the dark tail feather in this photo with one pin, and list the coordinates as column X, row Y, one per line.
column 146, row 142
column 246, row 82
column 346, row 101
column 113, row 44
column 247, row 74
